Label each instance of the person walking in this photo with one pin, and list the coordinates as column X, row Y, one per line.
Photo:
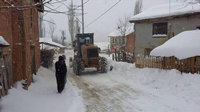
column 65, row 69
column 60, row 74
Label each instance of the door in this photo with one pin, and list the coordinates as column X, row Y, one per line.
column 33, row 63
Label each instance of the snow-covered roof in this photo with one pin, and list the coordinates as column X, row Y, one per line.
column 49, row 41
column 182, row 46
column 161, row 11
column 3, row 42
column 117, row 33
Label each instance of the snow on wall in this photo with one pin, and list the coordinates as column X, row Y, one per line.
column 182, row 46
column 3, row 42
column 164, row 11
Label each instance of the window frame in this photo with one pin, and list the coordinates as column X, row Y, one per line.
column 158, row 33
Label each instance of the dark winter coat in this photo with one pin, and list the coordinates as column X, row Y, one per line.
column 65, row 68
column 60, row 69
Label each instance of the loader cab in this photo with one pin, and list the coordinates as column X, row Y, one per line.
column 83, row 39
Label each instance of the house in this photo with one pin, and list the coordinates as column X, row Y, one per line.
column 156, row 25
column 47, row 43
column 118, row 39
column 19, row 27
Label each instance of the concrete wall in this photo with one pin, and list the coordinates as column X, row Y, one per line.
column 143, row 31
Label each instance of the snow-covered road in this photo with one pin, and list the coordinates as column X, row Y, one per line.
column 128, row 89
column 124, row 89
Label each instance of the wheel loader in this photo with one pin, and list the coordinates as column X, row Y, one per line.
column 86, row 54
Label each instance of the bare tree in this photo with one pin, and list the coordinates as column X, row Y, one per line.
column 52, row 27
column 138, row 7
column 192, row 1
column 123, row 25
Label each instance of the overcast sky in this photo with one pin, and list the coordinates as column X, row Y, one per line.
column 94, row 8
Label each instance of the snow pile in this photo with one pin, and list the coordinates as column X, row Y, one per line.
column 118, row 33
column 49, row 41
column 182, row 46
column 159, row 90
column 3, row 42
column 42, row 96
column 102, row 45
column 164, row 11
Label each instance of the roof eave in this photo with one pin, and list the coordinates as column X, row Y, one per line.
column 164, row 18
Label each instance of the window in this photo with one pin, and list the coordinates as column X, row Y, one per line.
column 113, row 40
column 160, row 28
column 123, row 41
column 116, row 41
column 120, row 41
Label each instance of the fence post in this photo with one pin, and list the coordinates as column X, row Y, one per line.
column 197, row 65
column 192, row 65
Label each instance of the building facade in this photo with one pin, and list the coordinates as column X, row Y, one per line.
column 153, row 30
column 20, row 29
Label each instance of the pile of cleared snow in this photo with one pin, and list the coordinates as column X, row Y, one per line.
column 118, row 32
column 164, row 11
column 3, row 42
column 42, row 96
column 182, row 46
column 102, row 45
column 179, row 92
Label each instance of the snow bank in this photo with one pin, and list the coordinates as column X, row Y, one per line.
column 42, row 96
column 102, row 45
column 163, row 11
column 3, row 42
column 166, row 90
column 182, row 46
column 118, row 33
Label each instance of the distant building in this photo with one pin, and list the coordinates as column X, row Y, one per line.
column 158, row 24
column 20, row 29
column 118, row 41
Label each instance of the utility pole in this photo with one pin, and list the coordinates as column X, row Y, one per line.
column 82, row 17
column 63, row 37
column 71, row 21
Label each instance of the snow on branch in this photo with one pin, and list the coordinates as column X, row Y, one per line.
column 43, row 3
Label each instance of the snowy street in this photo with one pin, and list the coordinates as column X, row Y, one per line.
column 124, row 89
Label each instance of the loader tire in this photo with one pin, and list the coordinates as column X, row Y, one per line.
column 78, row 68
column 104, row 65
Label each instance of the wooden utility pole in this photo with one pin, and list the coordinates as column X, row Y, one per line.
column 82, row 17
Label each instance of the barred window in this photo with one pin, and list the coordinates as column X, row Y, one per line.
column 160, row 28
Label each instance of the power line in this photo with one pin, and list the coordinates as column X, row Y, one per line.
column 103, row 14
column 87, row 27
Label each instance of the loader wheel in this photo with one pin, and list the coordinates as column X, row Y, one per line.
column 77, row 67
column 104, row 66
column 74, row 64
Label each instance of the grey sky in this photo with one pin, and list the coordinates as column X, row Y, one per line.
column 95, row 8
